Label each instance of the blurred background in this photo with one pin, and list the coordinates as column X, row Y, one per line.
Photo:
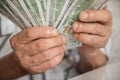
column 114, row 7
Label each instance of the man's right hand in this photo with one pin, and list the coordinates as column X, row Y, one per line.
column 38, row 49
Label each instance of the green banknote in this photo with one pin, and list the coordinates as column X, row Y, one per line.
column 41, row 5
column 61, row 8
column 72, row 15
column 56, row 9
column 4, row 12
column 65, row 27
column 16, row 7
column 28, row 11
column 57, row 13
column 48, row 11
column 29, row 6
column 9, row 13
column 84, row 5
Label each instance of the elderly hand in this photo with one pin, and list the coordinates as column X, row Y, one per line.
column 93, row 29
column 38, row 49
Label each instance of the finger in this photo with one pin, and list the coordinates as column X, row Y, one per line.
column 44, row 44
column 91, row 40
column 34, row 33
column 47, row 65
column 46, row 55
column 103, row 16
column 92, row 28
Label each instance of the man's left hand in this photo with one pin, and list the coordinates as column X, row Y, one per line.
column 93, row 29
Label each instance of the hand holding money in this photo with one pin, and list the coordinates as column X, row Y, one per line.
column 93, row 29
column 56, row 13
column 38, row 49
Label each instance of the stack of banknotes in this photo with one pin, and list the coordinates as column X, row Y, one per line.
column 55, row 13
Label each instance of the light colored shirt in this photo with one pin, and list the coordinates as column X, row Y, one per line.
column 65, row 70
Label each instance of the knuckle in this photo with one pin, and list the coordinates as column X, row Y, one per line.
column 59, row 40
column 29, row 34
column 109, row 14
column 12, row 41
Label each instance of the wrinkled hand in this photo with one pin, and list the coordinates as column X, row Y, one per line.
column 38, row 49
column 93, row 29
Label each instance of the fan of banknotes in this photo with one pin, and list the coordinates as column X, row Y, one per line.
column 56, row 13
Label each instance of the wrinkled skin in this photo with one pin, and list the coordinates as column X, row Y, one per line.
column 93, row 29
column 39, row 48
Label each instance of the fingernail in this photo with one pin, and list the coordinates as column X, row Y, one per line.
column 75, row 26
column 63, row 38
column 84, row 15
